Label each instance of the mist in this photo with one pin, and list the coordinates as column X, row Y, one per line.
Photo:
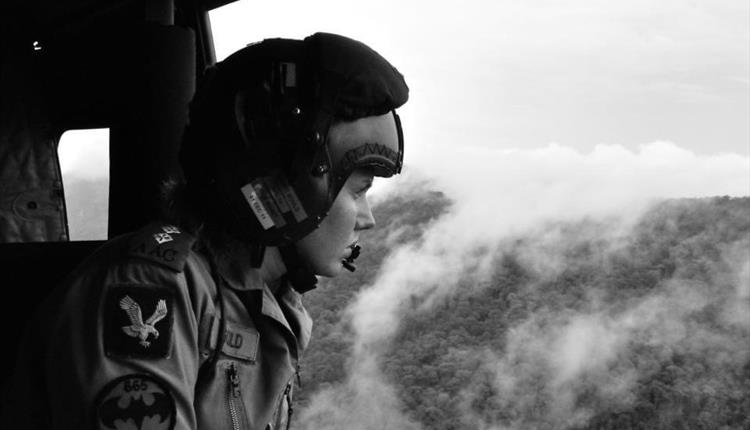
column 522, row 203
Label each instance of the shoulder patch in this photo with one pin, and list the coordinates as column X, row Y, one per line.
column 138, row 321
column 166, row 245
column 135, row 401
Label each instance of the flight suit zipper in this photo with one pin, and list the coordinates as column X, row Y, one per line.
column 235, row 405
column 288, row 396
column 281, row 421
column 289, row 408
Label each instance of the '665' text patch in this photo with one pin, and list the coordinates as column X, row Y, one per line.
column 138, row 321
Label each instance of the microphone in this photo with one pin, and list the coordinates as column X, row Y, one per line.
column 348, row 262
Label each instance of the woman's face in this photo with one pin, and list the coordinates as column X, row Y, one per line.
column 332, row 241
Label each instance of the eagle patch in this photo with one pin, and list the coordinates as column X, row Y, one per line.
column 138, row 322
column 137, row 402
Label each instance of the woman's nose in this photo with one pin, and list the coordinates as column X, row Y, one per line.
column 365, row 219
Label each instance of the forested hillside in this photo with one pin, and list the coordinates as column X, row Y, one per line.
column 577, row 326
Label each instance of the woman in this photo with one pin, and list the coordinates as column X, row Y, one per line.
column 196, row 321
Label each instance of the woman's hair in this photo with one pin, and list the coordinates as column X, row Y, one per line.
column 181, row 208
column 178, row 207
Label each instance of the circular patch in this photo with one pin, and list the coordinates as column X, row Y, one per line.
column 137, row 402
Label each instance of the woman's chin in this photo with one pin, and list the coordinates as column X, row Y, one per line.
column 330, row 271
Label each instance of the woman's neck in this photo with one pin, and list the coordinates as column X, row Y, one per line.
column 272, row 268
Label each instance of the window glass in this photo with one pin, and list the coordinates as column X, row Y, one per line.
column 84, row 161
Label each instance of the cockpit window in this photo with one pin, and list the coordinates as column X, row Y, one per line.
column 84, row 162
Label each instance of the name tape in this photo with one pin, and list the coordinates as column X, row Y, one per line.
column 239, row 341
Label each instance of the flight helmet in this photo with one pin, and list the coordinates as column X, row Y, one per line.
column 257, row 140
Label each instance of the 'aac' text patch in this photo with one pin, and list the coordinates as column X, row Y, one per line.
column 138, row 321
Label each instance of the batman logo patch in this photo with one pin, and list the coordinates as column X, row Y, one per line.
column 137, row 402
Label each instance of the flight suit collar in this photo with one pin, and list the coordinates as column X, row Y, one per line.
column 239, row 276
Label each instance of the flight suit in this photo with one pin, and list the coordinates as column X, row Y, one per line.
column 152, row 331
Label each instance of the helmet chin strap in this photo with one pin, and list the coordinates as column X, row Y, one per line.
column 298, row 273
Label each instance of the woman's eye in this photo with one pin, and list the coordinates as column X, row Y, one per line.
column 361, row 191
